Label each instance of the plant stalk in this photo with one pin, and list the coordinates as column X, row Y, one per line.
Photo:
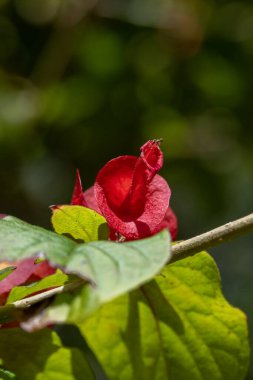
column 217, row 236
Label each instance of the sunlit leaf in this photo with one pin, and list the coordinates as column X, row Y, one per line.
column 178, row 326
column 80, row 222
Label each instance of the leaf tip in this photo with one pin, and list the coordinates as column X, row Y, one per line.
column 54, row 207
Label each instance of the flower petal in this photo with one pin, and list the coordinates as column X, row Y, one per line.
column 78, row 195
column 170, row 222
column 139, row 215
column 152, row 155
column 90, row 199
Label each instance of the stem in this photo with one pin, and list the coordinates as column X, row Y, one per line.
column 222, row 234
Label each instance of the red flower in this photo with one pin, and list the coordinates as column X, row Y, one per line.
column 130, row 194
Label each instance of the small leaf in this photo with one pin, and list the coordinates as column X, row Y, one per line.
column 176, row 327
column 41, row 355
column 80, row 222
column 57, row 279
column 6, row 375
column 6, row 271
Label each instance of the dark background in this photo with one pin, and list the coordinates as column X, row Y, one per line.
column 82, row 82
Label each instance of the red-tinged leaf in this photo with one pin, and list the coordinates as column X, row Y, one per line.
column 2, row 216
column 130, row 195
column 26, row 272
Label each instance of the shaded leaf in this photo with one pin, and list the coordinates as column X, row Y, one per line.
column 80, row 222
column 178, row 326
column 41, row 356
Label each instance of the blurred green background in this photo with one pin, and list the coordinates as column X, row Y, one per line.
column 83, row 81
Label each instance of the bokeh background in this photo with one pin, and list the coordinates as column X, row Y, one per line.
column 83, row 81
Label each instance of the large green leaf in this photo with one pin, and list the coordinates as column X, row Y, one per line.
column 111, row 268
column 176, row 327
column 80, row 222
column 41, row 356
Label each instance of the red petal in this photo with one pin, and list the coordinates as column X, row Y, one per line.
column 84, row 198
column 170, row 222
column 2, row 216
column 42, row 270
column 131, row 204
column 152, row 156
column 91, row 201
column 78, row 195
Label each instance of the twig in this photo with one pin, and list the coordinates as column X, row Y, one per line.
column 25, row 303
column 222, row 234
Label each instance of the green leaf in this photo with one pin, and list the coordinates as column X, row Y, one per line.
column 41, row 356
column 80, row 222
column 57, row 279
column 176, row 327
column 110, row 268
column 6, row 375
column 6, row 271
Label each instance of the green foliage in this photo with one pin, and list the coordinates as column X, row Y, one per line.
column 6, row 375
column 41, row 356
column 178, row 326
column 80, row 222
column 174, row 327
